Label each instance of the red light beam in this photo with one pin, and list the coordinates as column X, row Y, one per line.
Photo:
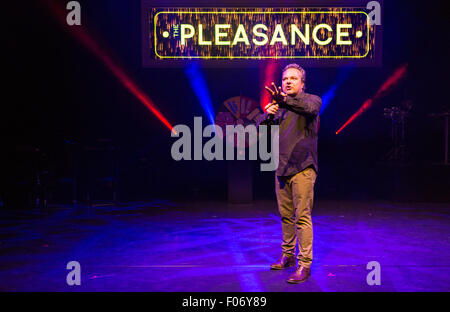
column 116, row 70
column 269, row 68
column 385, row 88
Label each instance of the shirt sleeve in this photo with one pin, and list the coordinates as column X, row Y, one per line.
column 309, row 105
column 264, row 119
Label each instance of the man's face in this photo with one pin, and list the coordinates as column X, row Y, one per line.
column 292, row 83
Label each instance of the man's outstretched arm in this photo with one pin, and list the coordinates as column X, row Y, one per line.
column 308, row 105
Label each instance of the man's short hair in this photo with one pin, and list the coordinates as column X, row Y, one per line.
column 299, row 68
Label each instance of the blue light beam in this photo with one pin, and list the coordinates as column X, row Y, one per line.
column 198, row 84
column 329, row 95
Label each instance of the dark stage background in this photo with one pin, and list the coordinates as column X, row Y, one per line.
column 63, row 113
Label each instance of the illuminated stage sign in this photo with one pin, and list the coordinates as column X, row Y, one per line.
column 259, row 34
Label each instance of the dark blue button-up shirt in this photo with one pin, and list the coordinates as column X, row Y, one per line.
column 298, row 120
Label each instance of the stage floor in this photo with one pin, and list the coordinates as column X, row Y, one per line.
column 213, row 246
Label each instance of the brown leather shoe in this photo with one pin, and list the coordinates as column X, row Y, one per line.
column 300, row 275
column 284, row 262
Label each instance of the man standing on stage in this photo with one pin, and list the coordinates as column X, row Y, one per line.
column 297, row 114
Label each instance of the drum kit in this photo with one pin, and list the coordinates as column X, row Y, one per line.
column 398, row 116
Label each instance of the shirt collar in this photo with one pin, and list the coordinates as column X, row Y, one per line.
column 300, row 95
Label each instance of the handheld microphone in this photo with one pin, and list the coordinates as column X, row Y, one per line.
column 272, row 116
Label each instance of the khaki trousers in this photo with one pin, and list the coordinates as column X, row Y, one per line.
column 295, row 200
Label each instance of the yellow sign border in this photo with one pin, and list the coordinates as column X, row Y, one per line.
column 262, row 57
